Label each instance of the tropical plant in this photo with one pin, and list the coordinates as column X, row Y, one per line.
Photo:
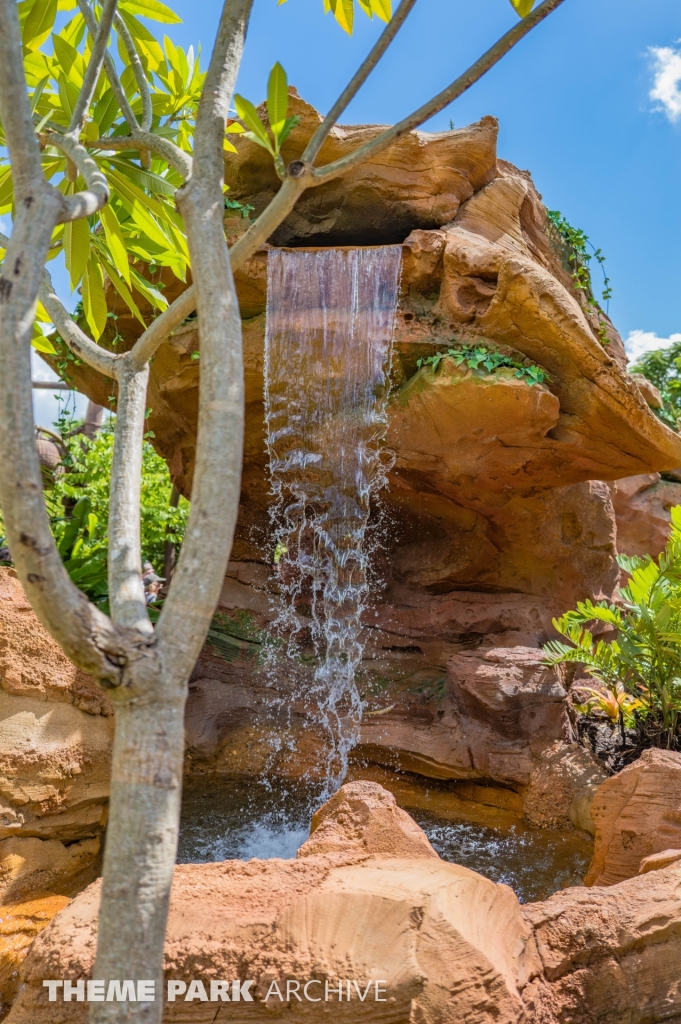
column 640, row 668
column 484, row 360
column 101, row 150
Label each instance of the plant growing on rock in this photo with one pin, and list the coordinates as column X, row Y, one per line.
column 482, row 359
column 640, row 669
column 663, row 369
column 98, row 161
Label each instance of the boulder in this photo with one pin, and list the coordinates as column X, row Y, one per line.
column 364, row 816
column 609, row 955
column 56, row 732
column 637, row 813
column 562, row 788
column 443, row 942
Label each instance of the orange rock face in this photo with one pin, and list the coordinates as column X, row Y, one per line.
column 637, row 814
column 56, row 731
column 642, row 507
column 19, row 925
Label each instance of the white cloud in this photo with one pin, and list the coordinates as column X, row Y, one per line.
column 666, row 90
column 640, row 342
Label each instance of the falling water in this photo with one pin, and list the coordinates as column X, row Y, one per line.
column 330, row 321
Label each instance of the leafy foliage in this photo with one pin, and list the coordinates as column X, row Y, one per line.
column 574, row 245
column 280, row 125
column 484, row 360
column 641, row 668
column 663, row 369
column 81, row 534
column 141, row 218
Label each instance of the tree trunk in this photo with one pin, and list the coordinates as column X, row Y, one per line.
column 141, row 847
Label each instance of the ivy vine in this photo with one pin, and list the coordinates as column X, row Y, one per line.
column 482, row 359
column 575, row 245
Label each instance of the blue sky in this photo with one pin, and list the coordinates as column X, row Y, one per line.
column 573, row 101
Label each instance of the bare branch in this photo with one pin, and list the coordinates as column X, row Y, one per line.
column 126, row 592
column 94, row 67
column 159, row 329
column 353, row 87
column 139, row 72
column 110, row 67
column 82, row 204
column 78, row 342
column 439, row 102
column 139, row 140
column 217, row 475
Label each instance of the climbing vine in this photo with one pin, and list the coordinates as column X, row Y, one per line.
column 481, row 358
column 575, row 246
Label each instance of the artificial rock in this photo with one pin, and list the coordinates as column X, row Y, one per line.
column 446, row 943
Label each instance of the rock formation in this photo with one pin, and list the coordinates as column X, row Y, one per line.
column 55, row 741
column 377, row 906
column 637, row 815
column 642, row 509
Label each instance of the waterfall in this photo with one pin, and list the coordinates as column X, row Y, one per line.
column 328, row 347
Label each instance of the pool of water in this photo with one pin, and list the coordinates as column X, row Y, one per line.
column 225, row 819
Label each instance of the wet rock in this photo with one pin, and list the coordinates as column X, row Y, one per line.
column 56, row 732
column 637, row 814
column 642, row 507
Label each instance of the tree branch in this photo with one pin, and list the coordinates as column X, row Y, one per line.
column 76, row 340
column 353, row 87
column 217, row 476
column 139, row 72
column 140, row 140
column 439, row 102
column 159, row 329
column 82, row 204
column 94, row 67
column 17, row 117
column 126, row 591
column 110, row 67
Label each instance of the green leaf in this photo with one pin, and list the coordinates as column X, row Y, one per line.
column 147, row 45
column 6, row 189
column 344, row 13
column 277, row 99
column 151, row 294
column 76, row 244
column 289, row 124
column 522, row 7
column 382, row 8
column 249, row 115
column 116, row 241
column 41, row 343
column 39, row 23
column 94, row 300
column 151, row 9
column 122, row 288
